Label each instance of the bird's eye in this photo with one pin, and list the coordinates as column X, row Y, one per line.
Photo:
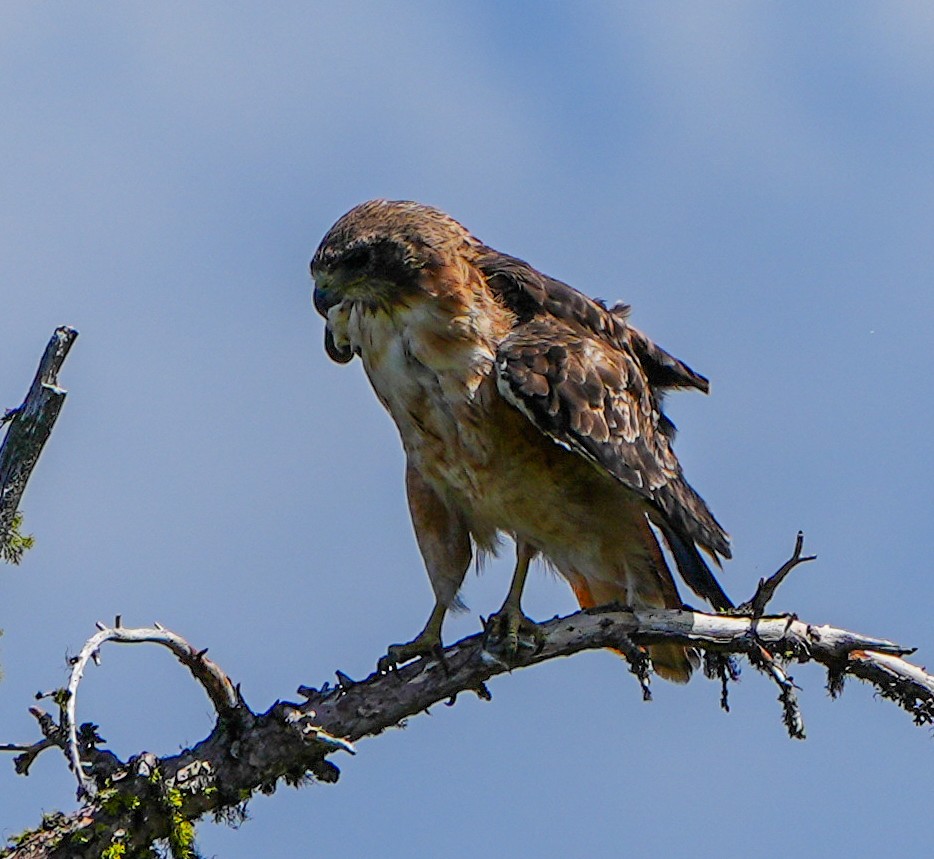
column 358, row 258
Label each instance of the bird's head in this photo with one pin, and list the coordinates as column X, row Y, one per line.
column 376, row 256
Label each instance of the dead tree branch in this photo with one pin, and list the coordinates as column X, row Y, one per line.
column 136, row 802
column 30, row 425
column 767, row 587
column 224, row 696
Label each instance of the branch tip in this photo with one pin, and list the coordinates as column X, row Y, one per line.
column 343, row 680
column 755, row 607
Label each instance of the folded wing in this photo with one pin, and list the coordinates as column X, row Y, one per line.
column 588, row 381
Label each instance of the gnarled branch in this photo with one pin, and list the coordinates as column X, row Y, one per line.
column 146, row 798
column 224, row 696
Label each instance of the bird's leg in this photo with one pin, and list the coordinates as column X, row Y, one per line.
column 426, row 643
column 509, row 627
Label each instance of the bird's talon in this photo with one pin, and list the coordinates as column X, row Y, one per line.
column 509, row 631
column 399, row 654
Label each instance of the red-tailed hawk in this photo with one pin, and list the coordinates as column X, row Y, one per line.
column 525, row 408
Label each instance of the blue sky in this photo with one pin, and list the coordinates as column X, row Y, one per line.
column 754, row 179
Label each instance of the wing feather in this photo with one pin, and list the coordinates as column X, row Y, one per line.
column 594, row 385
column 591, row 398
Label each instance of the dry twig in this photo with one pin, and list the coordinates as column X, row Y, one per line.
column 767, row 587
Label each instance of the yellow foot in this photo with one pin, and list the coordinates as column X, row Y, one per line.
column 505, row 632
column 426, row 644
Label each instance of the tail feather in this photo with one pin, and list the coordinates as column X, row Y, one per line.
column 671, row 661
column 693, row 568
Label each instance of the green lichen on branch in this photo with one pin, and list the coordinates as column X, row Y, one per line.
column 115, row 802
column 14, row 543
column 181, row 838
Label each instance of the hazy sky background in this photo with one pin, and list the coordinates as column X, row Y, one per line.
column 755, row 179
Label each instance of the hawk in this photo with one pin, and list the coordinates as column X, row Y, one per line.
column 525, row 409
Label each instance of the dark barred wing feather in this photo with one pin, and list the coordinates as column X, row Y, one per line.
column 586, row 379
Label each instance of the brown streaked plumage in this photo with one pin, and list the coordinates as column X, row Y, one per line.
column 525, row 408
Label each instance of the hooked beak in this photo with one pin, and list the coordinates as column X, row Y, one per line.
column 335, row 353
column 324, row 301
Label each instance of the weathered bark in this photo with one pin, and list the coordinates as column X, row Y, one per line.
column 145, row 799
column 29, row 429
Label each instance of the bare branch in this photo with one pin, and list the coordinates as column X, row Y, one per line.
column 23, row 761
column 29, row 428
column 767, row 587
column 291, row 741
column 225, row 698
